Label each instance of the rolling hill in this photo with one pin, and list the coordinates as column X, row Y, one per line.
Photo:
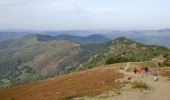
column 27, row 59
column 37, row 57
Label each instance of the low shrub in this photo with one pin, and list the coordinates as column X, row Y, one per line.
column 111, row 61
column 166, row 63
column 140, row 85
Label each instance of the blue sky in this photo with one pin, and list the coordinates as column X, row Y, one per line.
column 84, row 14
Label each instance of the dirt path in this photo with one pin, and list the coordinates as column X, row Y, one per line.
column 160, row 89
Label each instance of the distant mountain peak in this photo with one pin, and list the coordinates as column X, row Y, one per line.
column 122, row 39
column 95, row 35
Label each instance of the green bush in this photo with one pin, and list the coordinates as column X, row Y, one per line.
column 166, row 63
column 122, row 59
column 167, row 55
column 111, row 60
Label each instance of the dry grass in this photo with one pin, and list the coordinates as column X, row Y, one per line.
column 140, row 85
column 166, row 73
column 85, row 83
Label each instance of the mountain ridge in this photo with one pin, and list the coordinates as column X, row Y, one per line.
column 27, row 59
column 156, row 37
column 123, row 49
column 78, row 39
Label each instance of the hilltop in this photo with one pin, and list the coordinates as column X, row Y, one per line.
column 123, row 49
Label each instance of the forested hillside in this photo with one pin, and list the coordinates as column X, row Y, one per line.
column 28, row 59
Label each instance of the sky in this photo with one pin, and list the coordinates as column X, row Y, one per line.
column 84, row 14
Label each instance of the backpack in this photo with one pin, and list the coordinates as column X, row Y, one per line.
column 146, row 68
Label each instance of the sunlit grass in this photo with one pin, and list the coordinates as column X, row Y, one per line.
column 85, row 83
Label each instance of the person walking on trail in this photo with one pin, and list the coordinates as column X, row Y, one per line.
column 146, row 71
column 155, row 74
column 135, row 70
column 142, row 70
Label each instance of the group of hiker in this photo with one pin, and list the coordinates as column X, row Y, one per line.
column 143, row 70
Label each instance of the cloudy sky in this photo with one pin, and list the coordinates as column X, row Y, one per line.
column 84, row 14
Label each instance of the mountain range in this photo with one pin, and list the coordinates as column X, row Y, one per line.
column 37, row 57
column 157, row 37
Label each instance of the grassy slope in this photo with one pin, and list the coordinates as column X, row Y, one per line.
column 130, row 50
column 84, row 83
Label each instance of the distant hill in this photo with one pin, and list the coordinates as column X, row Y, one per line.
column 91, row 39
column 156, row 37
column 15, row 34
column 12, row 35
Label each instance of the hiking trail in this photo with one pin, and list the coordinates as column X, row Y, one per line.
column 160, row 90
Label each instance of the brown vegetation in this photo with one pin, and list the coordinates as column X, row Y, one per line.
column 166, row 73
column 85, row 83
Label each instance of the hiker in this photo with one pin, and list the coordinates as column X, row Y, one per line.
column 142, row 70
column 146, row 71
column 155, row 74
column 135, row 70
